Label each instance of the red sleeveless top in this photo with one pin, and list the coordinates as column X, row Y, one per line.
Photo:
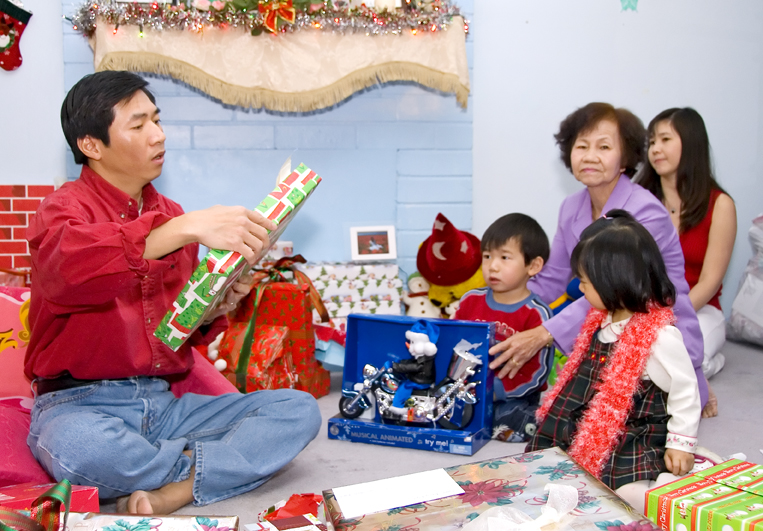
column 694, row 246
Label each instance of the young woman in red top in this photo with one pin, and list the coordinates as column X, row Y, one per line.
column 680, row 174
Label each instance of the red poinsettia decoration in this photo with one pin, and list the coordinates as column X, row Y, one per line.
column 272, row 9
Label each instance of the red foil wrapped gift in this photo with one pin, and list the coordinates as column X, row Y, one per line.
column 258, row 352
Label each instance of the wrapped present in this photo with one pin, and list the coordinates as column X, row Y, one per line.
column 23, row 496
column 344, row 308
column 726, row 497
column 276, row 303
column 281, row 249
column 129, row 522
column 358, row 290
column 326, row 271
column 219, row 269
column 257, row 358
column 283, row 303
column 304, row 522
column 517, row 481
column 329, row 347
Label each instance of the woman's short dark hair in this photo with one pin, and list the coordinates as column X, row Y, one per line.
column 529, row 234
column 694, row 176
column 623, row 263
column 585, row 119
column 88, row 109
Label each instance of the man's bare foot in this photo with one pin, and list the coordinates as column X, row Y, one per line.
column 164, row 500
column 711, row 408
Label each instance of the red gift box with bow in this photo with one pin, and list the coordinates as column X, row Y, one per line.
column 257, row 353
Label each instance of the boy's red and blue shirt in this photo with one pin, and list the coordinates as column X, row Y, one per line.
column 480, row 305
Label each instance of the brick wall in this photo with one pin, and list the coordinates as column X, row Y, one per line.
column 17, row 204
column 394, row 154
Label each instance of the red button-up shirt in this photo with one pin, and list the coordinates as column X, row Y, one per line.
column 95, row 300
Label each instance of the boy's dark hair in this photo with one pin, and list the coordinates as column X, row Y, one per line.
column 88, row 108
column 529, row 235
column 585, row 119
column 623, row 263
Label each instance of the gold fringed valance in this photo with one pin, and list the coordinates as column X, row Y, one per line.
column 292, row 72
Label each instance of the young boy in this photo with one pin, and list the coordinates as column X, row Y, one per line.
column 514, row 249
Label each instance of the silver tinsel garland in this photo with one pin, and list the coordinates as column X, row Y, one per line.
column 329, row 17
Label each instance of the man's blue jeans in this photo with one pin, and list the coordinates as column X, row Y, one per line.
column 128, row 435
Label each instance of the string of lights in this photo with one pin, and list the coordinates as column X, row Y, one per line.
column 268, row 16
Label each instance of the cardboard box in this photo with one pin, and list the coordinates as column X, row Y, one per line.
column 220, row 269
column 20, row 497
column 376, row 339
column 129, row 522
column 517, row 481
column 726, row 497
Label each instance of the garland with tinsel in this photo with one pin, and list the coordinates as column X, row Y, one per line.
column 272, row 16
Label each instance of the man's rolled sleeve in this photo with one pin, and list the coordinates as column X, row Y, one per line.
column 134, row 236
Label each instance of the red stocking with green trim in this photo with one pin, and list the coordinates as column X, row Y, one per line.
column 13, row 20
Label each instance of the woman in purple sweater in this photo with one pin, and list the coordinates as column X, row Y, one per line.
column 601, row 146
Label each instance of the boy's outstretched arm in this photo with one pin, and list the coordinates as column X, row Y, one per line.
column 232, row 228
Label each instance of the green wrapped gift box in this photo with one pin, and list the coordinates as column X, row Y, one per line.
column 220, row 269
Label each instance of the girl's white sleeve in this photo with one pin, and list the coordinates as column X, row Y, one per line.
column 671, row 369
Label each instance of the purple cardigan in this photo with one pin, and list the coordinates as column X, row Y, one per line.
column 574, row 216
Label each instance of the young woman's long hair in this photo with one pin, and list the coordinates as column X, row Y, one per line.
column 694, row 176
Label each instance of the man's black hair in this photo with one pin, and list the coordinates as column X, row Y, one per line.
column 88, row 108
column 623, row 263
column 528, row 233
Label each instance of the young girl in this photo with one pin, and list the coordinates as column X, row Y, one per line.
column 626, row 405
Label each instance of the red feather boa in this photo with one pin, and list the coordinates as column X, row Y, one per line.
column 603, row 423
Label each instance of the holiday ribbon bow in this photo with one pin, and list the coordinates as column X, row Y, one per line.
column 275, row 275
column 44, row 513
column 260, row 281
column 272, row 9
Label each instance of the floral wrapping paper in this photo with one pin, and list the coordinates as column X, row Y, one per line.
column 126, row 522
column 518, row 481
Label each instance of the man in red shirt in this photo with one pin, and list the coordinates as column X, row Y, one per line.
column 109, row 256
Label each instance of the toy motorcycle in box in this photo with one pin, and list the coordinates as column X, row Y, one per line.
column 403, row 391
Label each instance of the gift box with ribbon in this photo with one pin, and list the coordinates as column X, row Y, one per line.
column 219, row 269
column 523, row 482
column 725, row 497
column 44, row 513
column 271, row 334
column 23, row 496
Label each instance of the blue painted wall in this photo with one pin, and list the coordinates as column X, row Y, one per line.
column 395, row 154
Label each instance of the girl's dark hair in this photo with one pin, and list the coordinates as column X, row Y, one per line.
column 694, row 177
column 88, row 108
column 586, row 118
column 529, row 234
column 623, row 263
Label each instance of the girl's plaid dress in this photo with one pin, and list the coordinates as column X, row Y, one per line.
column 640, row 451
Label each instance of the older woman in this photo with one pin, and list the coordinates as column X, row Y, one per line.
column 602, row 146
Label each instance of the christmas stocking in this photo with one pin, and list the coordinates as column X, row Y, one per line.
column 13, row 20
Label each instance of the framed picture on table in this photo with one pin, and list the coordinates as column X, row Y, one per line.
column 373, row 243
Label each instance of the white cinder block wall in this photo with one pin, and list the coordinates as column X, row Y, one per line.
column 393, row 155
column 399, row 154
